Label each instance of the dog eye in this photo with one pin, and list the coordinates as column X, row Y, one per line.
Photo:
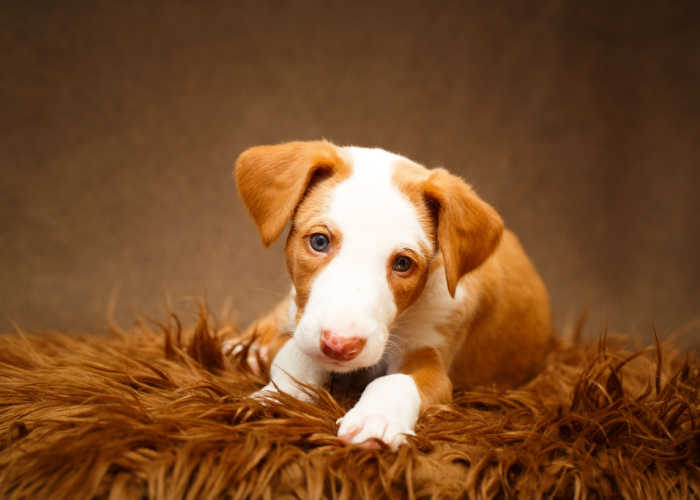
column 402, row 264
column 319, row 242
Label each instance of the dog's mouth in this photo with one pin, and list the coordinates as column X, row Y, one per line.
column 337, row 366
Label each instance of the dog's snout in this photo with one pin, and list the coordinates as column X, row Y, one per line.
column 341, row 348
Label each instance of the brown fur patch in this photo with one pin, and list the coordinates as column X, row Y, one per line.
column 428, row 372
column 409, row 178
column 160, row 414
column 507, row 336
column 407, row 287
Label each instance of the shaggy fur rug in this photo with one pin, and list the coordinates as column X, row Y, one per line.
column 158, row 412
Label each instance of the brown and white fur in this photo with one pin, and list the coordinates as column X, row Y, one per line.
column 469, row 310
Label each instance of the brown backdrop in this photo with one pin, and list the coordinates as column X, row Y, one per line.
column 121, row 121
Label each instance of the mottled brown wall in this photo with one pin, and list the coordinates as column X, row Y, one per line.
column 120, row 122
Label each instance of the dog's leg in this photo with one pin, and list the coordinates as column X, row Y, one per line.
column 290, row 366
column 268, row 333
column 389, row 406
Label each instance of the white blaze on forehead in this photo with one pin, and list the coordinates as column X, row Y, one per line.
column 370, row 209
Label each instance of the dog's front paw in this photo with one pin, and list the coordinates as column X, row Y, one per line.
column 387, row 411
column 257, row 356
column 359, row 427
column 267, row 393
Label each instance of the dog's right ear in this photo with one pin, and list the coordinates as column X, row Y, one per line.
column 273, row 179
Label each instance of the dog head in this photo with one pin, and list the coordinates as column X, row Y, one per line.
column 366, row 225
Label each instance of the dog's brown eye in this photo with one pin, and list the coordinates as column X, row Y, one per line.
column 319, row 242
column 402, row 264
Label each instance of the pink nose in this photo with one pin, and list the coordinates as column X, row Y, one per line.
column 341, row 348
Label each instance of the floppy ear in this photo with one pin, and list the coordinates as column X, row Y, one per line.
column 273, row 179
column 468, row 229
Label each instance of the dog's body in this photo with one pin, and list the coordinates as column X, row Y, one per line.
column 391, row 263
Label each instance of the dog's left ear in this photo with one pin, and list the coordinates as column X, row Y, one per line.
column 273, row 179
column 468, row 228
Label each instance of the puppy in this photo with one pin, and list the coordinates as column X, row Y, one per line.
column 394, row 267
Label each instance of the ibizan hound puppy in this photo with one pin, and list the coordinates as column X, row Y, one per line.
column 392, row 265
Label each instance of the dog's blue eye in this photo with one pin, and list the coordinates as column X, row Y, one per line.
column 319, row 242
column 402, row 264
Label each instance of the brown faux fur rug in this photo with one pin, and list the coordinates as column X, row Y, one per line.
column 158, row 413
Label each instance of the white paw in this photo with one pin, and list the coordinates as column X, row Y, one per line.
column 267, row 393
column 358, row 427
column 256, row 353
column 387, row 411
column 292, row 365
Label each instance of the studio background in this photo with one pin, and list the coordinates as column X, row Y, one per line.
column 578, row 121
